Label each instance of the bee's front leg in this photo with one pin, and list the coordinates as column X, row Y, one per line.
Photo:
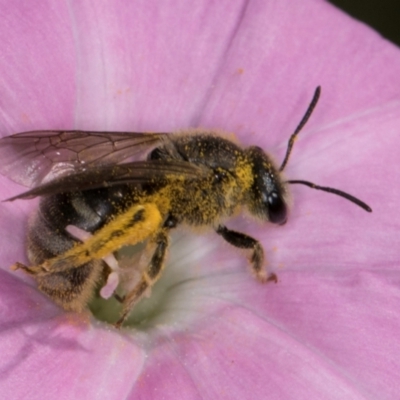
column 244, row 241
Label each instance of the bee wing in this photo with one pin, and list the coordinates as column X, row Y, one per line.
column 135, row 173
column 35, row 157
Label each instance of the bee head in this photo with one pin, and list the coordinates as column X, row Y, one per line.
column 268, row 193
column 268, row 197
column 276, row 192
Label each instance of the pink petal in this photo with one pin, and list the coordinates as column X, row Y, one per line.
column 329, row 328
column 47, row 353
column 307, row 337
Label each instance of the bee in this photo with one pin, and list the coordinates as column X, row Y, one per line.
column 101, row 191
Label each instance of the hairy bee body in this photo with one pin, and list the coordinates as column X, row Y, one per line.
column 204, row 201
column 117, row 189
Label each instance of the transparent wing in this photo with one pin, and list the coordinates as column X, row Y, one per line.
column 135, row 173
column 32, row 158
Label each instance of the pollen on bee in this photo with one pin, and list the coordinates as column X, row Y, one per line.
column 113, row 278
column 131, row 227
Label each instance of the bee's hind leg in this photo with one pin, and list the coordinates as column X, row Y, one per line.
column 149, row 276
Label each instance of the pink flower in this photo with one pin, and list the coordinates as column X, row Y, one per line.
column 329, row 328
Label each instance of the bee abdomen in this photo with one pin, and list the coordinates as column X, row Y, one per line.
column 72, row 288
column 48, row 238
column 45, row 241
column 88, row 210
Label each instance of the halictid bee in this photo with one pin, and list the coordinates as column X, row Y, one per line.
column 101, row 191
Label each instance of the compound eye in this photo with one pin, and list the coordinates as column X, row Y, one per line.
column 277, row 210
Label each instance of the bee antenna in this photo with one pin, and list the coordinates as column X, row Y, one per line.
column 347, row 196
column 303, row 121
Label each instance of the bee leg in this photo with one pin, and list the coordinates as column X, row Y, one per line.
column 119, row 298
column 31, row 270
column 133, row 226
column 243, row 241
column 169, row 223
column 149, row 277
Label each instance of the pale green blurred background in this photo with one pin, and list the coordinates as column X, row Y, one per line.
column 382, row 15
